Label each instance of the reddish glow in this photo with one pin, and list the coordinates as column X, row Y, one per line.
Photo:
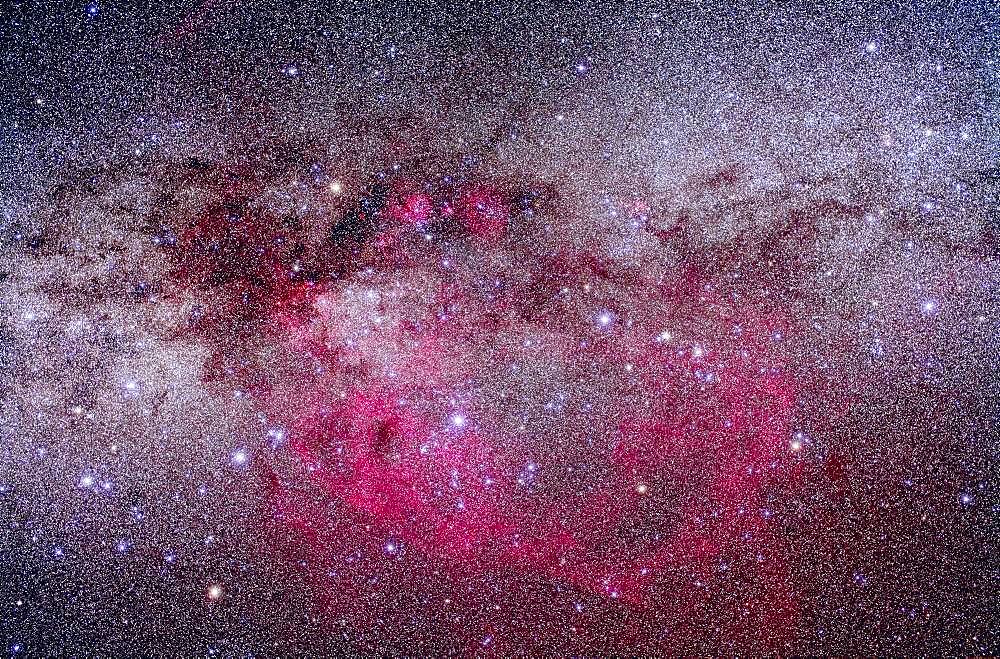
column 484, row 212
column 710, row 463
column 412, row 208
column 677, row 486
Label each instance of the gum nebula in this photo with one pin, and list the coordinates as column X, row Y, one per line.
column 367, row 331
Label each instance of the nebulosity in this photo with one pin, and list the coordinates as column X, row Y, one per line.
column 617, row 336
column 503, row 412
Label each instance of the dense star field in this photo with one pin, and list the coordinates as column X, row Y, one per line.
column 498, row 330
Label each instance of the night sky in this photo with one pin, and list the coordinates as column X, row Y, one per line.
column 499, row 329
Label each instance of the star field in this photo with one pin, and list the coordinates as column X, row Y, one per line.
column 425, row 330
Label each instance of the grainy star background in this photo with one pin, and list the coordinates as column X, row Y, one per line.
column 498, row 329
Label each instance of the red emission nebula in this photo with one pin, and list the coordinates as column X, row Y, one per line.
column 642, row 506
